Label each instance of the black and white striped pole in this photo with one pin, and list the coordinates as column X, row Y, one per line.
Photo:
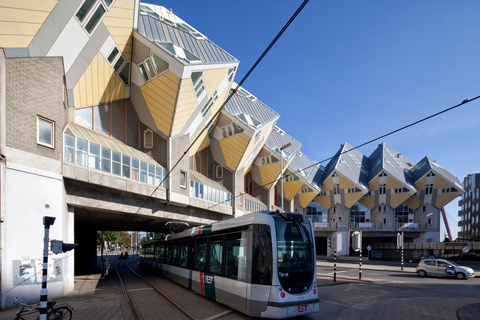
column 335, row 265
column 360, row 267
column 47, row 222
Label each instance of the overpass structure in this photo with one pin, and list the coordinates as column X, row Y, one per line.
column 113, row 117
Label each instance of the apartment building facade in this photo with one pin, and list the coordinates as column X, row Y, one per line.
column 119, row 115
column 469, row 209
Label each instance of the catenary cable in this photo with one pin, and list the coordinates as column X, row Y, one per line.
column 228, row 98
column 365, row 143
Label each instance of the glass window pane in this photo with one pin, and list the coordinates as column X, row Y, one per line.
column 135, row 169
column 119, row 63
column 216, row 257
column 143, row 72
column 158, row 175
column 83, row 117
column 45, row 129
column 125, row 73
column 159, row 63
column 164, row 181
column 102, row 119
column 126, row 166
column 151, row 174
column 106, row 165
column 149, row 67
column 95, row 19
column 236, row 256
column 82, row 152
column 94, row 157
column 113, row 55
column 143, row 172
column 201, row 254
column 69, row 152
column 116, row 163
column 84, row 9
column 118, row 120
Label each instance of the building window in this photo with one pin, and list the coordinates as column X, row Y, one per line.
column 430, row 221
column 219, row 172
column 117, row 119
column 358, row 213
column 383, row 189
column 148, row 138
column 183, row 179
column 424, row 208
column 198, row 86
column 402, row 212
column 384, row 221
column 248, row 183
column 429, row 189
column 91, row 13
column 45, row 132
column 334, row 209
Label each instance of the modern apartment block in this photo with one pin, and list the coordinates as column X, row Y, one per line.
column 119, row 115
column 470, row 212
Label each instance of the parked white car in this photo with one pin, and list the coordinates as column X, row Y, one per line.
column 445, row 268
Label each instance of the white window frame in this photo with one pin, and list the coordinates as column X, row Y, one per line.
column 89, row 15
column 147, row 143
column 52, row 132
column 184, row 175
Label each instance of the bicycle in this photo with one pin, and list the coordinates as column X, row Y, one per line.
column 63, row 311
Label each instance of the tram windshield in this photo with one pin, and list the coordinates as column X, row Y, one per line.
column 295, row 254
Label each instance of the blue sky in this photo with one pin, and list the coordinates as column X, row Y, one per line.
column 350, row 71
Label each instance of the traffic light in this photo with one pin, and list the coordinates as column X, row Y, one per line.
column 57, row 246
column 356, row 241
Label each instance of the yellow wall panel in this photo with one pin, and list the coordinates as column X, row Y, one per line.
column 324, row 201
column 119, row 23
column 352, row 198
column 98, row 84
column 160, row 95
column 328, row 184
column 440, row 183
column 269, row 174
column 306, row 198
column 290, row 189
column 212, row 78
column 233, row 149
column 413, row 202
column 186, row 105
column 375, row 184
column 20, row 21
column 345, row 183
column 368, row 201
column 445, row 198
column 421, row 184
column 397, row 199
column 393, row 183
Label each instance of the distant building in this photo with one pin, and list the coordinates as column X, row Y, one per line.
column 469, row 213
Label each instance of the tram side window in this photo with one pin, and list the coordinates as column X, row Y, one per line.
column 236, row 256
column 184, row 253
column 201, row 254
column 160, row 251
column 262, row 255
column 216, row 252
column 173, row 253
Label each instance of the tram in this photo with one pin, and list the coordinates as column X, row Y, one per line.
column 261, row 264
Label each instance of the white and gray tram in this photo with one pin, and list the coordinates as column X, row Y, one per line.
column 261, row 264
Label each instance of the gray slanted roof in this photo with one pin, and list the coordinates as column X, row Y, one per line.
column 394, row 163
column 154, row 20
column 352, row 164
column 306, row 168
column 278, row 138
column 426, row 165
column 246, row 104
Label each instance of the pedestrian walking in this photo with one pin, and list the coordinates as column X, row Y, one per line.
column 105, row 267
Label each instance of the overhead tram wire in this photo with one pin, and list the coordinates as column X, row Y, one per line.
column 368, row 142
column 229, row 97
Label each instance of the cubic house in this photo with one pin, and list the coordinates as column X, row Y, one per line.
column 113, row 117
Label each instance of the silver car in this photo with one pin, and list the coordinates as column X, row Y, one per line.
column 441, row 267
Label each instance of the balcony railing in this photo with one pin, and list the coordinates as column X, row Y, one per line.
column 252, row 204
column 411, row 226
column 203, row 188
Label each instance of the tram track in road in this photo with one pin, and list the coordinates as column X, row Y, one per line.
column 144, row 299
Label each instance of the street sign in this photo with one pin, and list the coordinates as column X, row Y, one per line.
column 369, row 248
column 465, row 249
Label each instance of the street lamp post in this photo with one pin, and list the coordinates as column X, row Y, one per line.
column 281, row 169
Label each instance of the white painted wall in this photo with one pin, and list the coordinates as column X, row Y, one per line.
column 30, row 194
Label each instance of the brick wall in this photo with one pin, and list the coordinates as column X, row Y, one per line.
column 35, row 86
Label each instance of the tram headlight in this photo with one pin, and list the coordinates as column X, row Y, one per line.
column 283, row 274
